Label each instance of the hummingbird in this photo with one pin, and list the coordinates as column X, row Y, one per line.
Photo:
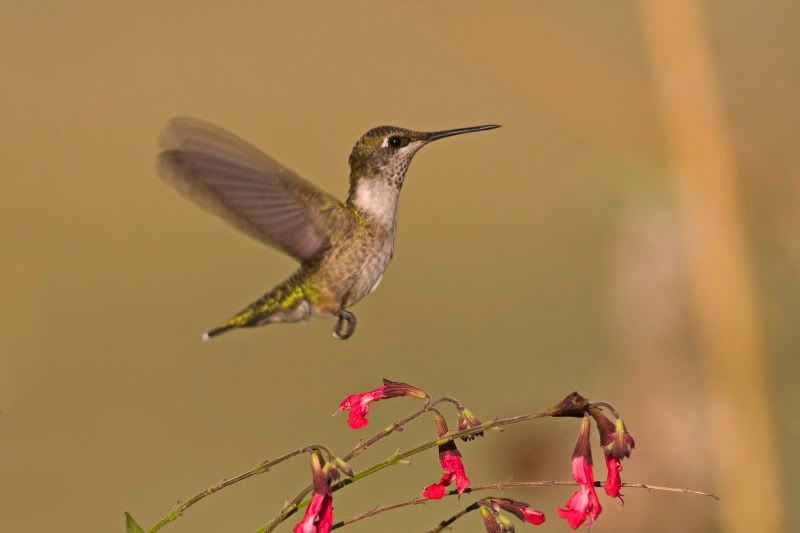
column 343, row 248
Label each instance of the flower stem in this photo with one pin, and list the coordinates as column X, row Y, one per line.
column 463, row 512
column 503, row 485
column 262, row 468
column 298, row 501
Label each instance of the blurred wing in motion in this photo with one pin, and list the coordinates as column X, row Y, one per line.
column 234, row 180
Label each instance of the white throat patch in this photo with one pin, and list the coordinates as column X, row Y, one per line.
column 378, row 198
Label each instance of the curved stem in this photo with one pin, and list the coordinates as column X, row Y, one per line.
column 297, row 502
column 444, row 399
column 503, row 485
column 610, row 407
column 444, row 524
column 262, row 468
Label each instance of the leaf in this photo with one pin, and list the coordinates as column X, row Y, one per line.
column 131, row 526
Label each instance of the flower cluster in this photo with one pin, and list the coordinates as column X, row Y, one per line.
column 584, row 504
column 327, row 468
column 617, row 444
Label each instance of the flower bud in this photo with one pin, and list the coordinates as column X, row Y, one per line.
column 343, row 467
column 573, row 405
column 490, row 522
column 623, row 442
column 319, row 472
column 467, row 420
column 392, row 389
column 441, row 425
column 518, row 509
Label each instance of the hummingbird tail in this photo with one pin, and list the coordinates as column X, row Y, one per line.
column 288, row 302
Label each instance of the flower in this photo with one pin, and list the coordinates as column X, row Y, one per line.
column 613, row 481
column 584, row 501
column 318, row 517
column 358, row 404
column 518, row 509
column 617, row 444
column 450, row 459
column 467, row 420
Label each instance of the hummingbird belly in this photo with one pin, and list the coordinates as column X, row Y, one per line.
column 363, row 277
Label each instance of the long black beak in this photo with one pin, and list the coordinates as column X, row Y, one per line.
column 458, row 131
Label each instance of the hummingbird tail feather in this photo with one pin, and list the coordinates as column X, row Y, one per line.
column 288, row 302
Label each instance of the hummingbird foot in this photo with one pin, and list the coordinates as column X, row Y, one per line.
column 345, row 325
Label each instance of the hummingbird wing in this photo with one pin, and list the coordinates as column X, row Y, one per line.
column 234, row 180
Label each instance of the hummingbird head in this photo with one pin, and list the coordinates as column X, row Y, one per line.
column 386, row 151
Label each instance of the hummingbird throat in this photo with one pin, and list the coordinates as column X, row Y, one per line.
column 376, row 198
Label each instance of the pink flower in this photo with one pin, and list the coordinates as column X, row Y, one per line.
column 318, row 517
column 358, row 404
column 450, row 459
column 434, row 492
column 617, row 444
column 532, row 516
column 584, row 501
column 613, row 480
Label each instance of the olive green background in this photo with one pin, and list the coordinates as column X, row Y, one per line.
column 531, row 261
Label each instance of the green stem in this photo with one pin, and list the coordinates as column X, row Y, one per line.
column 262, row 468
column 290, row 508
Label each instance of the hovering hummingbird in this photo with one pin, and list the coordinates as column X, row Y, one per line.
column 343, row 247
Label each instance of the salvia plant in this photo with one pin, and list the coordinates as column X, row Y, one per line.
column 331, row 473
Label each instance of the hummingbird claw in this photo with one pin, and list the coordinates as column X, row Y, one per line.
column 345, row 325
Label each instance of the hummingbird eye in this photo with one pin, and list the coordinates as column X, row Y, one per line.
column 398, row 141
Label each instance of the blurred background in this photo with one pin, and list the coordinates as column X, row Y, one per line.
column 631, row 233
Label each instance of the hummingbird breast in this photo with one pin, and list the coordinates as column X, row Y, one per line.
column 355, row 267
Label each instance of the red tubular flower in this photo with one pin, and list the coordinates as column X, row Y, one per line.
column 318, row 517
column 450, row 459
column 584, row 501
column 358, row 404
column 617, row 444
column 613, row 481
